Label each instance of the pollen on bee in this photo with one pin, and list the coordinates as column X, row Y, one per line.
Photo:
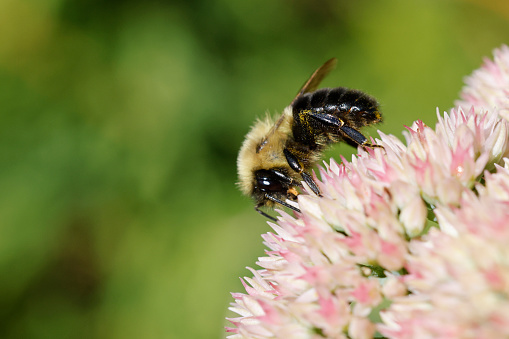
column 293, row 191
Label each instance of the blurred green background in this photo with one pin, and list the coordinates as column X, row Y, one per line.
column 120, row 125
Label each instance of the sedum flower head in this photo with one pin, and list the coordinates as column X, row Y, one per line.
column 408, row 241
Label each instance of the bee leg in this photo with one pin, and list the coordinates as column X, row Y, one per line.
column 327, row 119
column 281, row 202
column 357, row 137
column 257, row 208
column 297, row 167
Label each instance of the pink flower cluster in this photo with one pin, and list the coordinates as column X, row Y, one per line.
column 408, row 241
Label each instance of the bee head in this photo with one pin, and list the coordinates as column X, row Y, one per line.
column 270, row 181
column 271, row 184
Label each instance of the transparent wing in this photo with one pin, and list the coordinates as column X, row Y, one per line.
column 316, row 78
column 311, row 84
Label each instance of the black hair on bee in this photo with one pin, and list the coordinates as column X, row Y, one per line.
column 277, row 155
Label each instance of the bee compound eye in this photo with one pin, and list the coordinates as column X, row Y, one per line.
column 267, row 181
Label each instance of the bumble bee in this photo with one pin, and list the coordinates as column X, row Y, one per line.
column 277, row 155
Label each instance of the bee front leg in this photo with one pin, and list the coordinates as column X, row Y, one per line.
column 295, row 164
column 281, row 202
column 257, row 208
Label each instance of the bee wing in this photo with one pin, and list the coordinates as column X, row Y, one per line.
column 316, row 78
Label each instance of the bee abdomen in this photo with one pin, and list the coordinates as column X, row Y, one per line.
column 349, row 104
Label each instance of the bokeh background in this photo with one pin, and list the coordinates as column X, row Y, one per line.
column 120, row 123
